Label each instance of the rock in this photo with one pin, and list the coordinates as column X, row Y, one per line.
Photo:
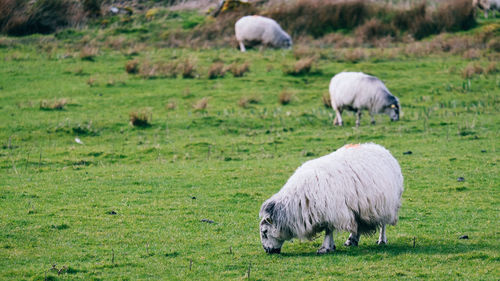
column 464, row 237
column 460, row 179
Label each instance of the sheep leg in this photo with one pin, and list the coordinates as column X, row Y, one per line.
column 353, row 240
column 358, row 117
column 373, row 118
column 328, row 243
column 382, row 239
column 338, row 117
column 242, row 46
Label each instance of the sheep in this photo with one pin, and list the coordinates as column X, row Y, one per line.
column 357, row 188
column 356, row 91
column 487, row 5
column 252, row 30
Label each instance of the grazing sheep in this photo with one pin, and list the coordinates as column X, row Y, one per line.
column 356, row 188
column 487, row 5
column 253, row 30
column 356, row 91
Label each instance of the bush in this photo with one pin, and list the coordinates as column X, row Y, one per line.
column 132, row 67
column 285, row 97
column 53, row 105
column 216, row 70
column 239, row 70
column 374, row 29
column 301, row 67
column 42, row 16
column 141, row 118
column 201, row 105
column 92, row 8
column 455, row 15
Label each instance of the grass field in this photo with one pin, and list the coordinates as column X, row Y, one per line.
column 126, row 203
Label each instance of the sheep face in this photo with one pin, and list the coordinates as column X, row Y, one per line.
column 269, row 235
column 286, row 43
column 393, row 112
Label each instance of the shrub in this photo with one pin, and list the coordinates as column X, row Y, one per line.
column 201, row 105
column 301, row 67
column 471, row 69
column 158, row 70
column 246, row 101
column 239, row 70
column 92, row 8
column 188, row 69
column 41, row 16
column 171, row 105
column 285, row 97
column 132, row 67
column 216, row 70
column 88, row 53
column 374, row 29
column 491, row 68
column 317, row 18
column 455, row 15
column 141, row 118
column 53, row 105
column 472, row 54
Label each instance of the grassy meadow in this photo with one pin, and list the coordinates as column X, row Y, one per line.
column 85, row 195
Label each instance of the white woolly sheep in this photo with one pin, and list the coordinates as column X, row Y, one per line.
column 356, row 91
column 357, row 188
column 253, row 30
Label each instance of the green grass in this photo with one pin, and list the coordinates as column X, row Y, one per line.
column 121, row 205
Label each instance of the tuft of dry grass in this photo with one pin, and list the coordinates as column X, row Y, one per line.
column 285, row 97
column 201, row 104
column 91, row 82
column 246, row 101
column 472, row 54
column 301, row 67
column 132, row 66
column 188, row 69
column 56, row 104
column 89, row 53
column 471, row 69
column 171, row 105
column 327, row 102
column 491, row 68
column 217, row 70
column 238, row 70
column 141, row 118
column 355, row 55
column 151, row 70
column 374, row 29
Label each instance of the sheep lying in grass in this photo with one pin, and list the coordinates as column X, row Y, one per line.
column 356, row 91
column 358, row 189
column 253, row 30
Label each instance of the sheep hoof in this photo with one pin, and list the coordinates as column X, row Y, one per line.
column 349, row 243
column 324, row 250
column 381, row 242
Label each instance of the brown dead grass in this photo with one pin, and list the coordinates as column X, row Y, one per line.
column 141, row 118
column 56, row 104
column 238, row 70
column 216, row 70
column 285, row 97
column 301, row 67
column 132, row 67
column 187, row 68
column 201, row 105
column 171, row 105
column 245, row 102
column 89, row 53
column 471, row 70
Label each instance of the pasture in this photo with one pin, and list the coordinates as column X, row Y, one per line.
column 84, row 195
